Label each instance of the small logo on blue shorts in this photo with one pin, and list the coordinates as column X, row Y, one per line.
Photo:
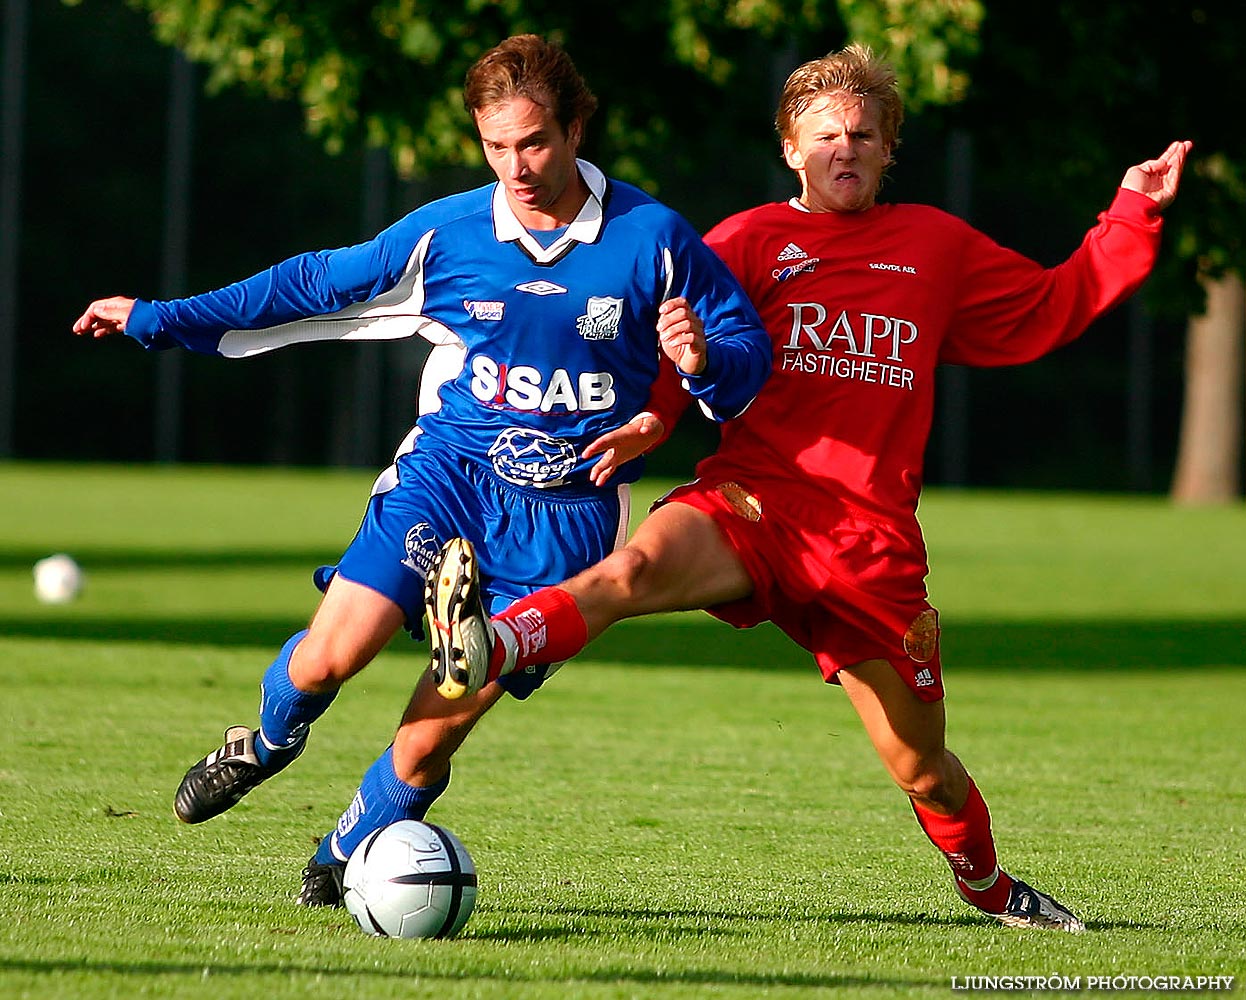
column 422, row 547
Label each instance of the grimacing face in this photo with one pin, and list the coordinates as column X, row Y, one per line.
column 534, row 159
column 837, row 150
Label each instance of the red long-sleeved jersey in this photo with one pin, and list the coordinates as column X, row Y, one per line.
column 862, row 307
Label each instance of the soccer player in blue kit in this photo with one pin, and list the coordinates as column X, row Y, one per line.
column 552, row 298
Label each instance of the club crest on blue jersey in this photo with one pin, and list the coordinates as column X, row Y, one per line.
column 483, row 310
column 422, row 547
column 529, row 457
column 601, row 318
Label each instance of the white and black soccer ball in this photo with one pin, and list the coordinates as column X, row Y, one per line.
column 58, row 579
column 410, row 880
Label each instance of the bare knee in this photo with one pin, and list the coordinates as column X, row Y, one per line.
column 938, row 783
column 321, row 663
column 627, row 573
column 422, row 753
column 352, row 624
column 677, row 559
column 623, row 584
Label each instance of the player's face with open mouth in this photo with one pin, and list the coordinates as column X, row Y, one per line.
column 838, row 151
column 534, row 159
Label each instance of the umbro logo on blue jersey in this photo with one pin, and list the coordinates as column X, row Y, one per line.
column 541, row 287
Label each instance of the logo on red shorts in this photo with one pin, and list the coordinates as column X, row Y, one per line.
column 741, row 500
column 921, row 641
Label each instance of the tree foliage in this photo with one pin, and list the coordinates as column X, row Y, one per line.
column 1064, row 99
column 1062, row 95
column 388, row 73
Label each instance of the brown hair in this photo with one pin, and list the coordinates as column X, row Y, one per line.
column 854, row 71
column 532, row 67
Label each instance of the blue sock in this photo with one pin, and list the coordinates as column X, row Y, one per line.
column 285, row 711
column 382, row 798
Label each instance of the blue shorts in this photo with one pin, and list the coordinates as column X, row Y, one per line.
column 525, row 538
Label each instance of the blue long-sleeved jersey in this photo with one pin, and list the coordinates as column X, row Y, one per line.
column 549, row 344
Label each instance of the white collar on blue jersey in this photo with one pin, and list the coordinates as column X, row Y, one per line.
column 584, row 228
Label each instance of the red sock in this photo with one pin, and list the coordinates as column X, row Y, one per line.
column 544, row 627
column 965, row 840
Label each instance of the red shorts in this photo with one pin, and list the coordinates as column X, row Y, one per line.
column 845, row 586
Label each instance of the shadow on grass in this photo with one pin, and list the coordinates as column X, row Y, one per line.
column 618, row 974
column 106, row 559
column 1075, row 645
column 702, row 923
column 564, row 925
column 695, row 923
column 698, row 641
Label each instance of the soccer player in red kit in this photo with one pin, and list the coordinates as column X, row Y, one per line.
column 806, row 513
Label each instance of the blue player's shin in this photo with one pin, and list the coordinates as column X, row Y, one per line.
column 285, row 712
column 383, row 798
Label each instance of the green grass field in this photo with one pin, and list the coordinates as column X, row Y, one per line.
column 687, row 811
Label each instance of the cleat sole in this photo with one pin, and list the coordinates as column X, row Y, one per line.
column 459, row 631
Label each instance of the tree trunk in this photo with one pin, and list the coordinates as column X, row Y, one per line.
column 1209, row 458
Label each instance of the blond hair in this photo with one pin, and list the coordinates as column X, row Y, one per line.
column 854, row 71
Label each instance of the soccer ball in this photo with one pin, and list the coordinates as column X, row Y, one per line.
column 410, row 880
column 58, row 579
